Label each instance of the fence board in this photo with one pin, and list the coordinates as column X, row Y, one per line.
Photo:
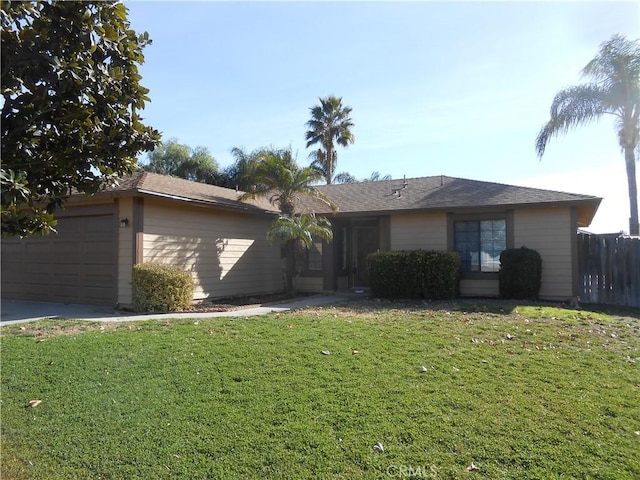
column 609, row 269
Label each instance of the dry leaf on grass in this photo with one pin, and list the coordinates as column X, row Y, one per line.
column 472, row 468
column 34, row 403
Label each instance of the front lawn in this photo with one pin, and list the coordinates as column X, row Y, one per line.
column 507, row 391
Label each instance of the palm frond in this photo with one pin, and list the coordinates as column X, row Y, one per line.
column 344, row 177
column 571, row 107
column 618, row 61
column 330, row 122
column 614, row 88
column 278, row 177
column 302, row 228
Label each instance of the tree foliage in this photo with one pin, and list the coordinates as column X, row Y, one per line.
column 301, row 228
column 330, row 122
column 613, row 89
column 238, row 175
column 178, row 160
column 276, row 176
column 71, row 96
column 346, row 177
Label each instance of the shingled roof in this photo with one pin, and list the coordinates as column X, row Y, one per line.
column 368, row 198
column 444, row 193
column 153, row 184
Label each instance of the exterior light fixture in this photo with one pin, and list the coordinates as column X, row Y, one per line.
column 124, row 223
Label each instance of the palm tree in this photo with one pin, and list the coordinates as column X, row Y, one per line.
column 296, row 235
column 376, row 177
column 238, row 174
column 278, row 177
column 330, row 122
column 346, row 177
column 614, row 89
column 302, row 228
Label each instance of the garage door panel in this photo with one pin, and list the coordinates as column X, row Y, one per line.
column 64, row 291
column 70, row 294
column 77, row 265
column 13, row 266
column 69, row 280
column 99, row 273
column 62, row 270
column 39, row 249
column 97, row 258
column 10, row 249
column 36, row 268
column 68, row 249
column 94, row 292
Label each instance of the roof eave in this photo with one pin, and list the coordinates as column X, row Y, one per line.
column 589, row 208
column 247, row 208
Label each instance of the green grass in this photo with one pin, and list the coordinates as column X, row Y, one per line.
column 520, row 391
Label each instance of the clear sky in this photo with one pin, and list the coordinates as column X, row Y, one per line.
column 436, row 88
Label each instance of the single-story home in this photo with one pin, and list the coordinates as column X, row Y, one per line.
column 207, row 230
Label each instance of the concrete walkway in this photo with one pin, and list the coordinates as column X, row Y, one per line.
column 18, row 311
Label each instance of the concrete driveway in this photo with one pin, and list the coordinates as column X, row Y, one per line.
column 12, row 311
column 17, row 311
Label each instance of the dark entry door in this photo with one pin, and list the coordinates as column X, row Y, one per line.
column 365, row 241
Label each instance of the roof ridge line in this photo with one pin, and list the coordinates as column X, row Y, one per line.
column 141, row 180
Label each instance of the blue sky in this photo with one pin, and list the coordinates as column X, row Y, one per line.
column 455, row 88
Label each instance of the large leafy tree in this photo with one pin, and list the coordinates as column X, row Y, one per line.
column 613, row 89
column 71, row 96
column 330, row 124
column 277, row 176
column 178, row 160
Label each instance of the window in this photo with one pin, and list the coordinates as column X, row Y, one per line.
column 480, row 244
column 314, row 256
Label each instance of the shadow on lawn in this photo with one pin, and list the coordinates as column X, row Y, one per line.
column 485, row 305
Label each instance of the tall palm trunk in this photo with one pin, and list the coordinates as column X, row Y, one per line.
column 630, row 161
column 330, row 164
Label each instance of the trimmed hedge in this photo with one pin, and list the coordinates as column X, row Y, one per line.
column 414, row 274
column 520, row 274
column 158, row 287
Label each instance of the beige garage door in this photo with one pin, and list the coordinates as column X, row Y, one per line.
column 78, row 265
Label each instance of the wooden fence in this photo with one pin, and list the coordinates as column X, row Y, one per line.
column 609, row 269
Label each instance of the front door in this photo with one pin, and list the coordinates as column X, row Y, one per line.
column 365, row 241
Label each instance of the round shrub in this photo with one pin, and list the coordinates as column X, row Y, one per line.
column 520, row 274
column 158, row 287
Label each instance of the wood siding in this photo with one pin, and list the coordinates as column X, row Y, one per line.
column 227, row 253
column 479, row 287
column 415, row 231
column 552, row 232
column 125, row 251
column 309, row 284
